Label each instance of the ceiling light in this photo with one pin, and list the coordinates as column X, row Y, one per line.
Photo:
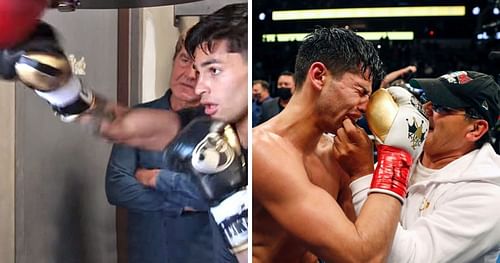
column 369, row 12
column 262, row 16
column 290, row 37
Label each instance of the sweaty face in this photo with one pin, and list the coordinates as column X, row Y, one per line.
column 222, row 82
column 342, row 97
column 183, row 78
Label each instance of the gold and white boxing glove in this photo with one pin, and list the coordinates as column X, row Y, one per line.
column 43, row 71
column 396, row 119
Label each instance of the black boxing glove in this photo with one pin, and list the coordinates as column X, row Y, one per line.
column 39, row 61
column 209, row 150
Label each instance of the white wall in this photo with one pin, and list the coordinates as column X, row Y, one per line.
column 158, row 48
column 159, row 37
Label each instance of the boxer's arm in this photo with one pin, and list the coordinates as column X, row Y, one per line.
column 282, row 186
column 354, row 151
column 359, row 189
column 345, row 199
column 150, row 129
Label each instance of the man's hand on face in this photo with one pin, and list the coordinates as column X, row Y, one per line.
column 353, row 150
column 147, row 177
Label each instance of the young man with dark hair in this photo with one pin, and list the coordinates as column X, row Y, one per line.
column 161, row 227
column 205, row 148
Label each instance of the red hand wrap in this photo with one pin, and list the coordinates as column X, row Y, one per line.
column 391, row 174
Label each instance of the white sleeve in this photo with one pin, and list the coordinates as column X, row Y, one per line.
column 359, row 189
column 464, row 227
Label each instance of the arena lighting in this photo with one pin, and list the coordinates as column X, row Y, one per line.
column 367, row 12
column 396, row 35
column 482, row 36
column 262, row 16
column 476, row 10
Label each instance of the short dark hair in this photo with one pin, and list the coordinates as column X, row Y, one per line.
column 228, row 23
column 286, row 73
column 341, row 50
column 262, row 83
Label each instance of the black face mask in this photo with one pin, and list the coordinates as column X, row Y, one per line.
column 284, row 93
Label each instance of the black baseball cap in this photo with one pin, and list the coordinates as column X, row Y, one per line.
column 463, row 90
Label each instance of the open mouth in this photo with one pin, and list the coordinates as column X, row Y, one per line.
column 210, row 109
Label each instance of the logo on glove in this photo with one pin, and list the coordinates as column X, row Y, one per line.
column 213, row 154
column 416, row 133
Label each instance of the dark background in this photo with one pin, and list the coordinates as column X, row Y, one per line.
column 441, row 44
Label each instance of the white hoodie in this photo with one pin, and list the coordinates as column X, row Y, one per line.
column 454, row 216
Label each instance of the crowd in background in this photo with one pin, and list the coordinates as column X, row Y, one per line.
column 431, row 57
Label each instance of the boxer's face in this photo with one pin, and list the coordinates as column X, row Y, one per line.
column 183, row 78
column 222, row 82
column 344, row 96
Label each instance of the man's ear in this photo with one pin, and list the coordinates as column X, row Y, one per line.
column 317, row 74
column 477, row 129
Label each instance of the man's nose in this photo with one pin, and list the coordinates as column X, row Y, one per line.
column 200, row 87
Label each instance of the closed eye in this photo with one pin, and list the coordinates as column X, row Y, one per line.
column 362, row 91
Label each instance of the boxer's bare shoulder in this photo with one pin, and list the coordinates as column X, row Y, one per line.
column 285, row 156
column 270, row 241
column 280, row 173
